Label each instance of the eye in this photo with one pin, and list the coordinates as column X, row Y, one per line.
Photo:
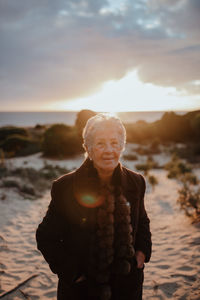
column 100, row 143
column 114, row 143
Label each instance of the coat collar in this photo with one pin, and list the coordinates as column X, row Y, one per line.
column 87, row 173
column 87, row 182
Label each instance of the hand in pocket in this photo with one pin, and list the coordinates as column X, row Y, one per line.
column 140, row 258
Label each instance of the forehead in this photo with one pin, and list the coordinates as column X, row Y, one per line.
column 106, row 133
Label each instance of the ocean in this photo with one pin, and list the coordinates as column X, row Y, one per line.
column 45, row 118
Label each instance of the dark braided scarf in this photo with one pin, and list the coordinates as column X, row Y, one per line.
column 111, row 249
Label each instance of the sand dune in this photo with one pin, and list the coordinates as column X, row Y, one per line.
column 174, row 270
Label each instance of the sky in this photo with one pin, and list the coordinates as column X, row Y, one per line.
column 105, row 55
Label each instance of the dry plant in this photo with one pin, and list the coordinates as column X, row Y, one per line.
column 189, row 193
column 176, row 167
column 153, row 181
column 189, row 200
column 130, row 156
column 148, row 165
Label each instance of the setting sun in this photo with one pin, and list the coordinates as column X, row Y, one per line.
column 129, row 94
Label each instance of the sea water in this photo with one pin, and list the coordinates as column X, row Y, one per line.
column 68, row 117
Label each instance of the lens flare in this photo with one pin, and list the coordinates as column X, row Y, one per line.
column 89, row 200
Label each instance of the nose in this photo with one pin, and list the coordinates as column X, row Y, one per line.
column 108, row 147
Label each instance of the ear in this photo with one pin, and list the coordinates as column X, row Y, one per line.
column 88, row 152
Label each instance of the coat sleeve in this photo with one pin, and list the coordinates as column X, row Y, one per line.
column 49, row 237
column 143, row 236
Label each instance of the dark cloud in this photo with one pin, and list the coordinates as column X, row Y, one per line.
column 53, row 50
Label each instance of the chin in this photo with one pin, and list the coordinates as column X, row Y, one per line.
column 109, row 167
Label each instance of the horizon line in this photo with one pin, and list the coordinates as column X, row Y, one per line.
column 129, row 111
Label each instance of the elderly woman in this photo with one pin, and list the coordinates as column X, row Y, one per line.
column 95, row 235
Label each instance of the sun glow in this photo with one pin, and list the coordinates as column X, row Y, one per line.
column 129, row 94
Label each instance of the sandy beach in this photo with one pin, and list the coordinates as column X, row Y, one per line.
column 174, row 269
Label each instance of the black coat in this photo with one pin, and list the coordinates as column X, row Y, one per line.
column 64, row 234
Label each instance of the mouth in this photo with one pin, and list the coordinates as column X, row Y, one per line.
column 108, row 159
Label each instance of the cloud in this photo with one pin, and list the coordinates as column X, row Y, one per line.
column 53, row 50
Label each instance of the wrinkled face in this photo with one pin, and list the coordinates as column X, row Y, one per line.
column 106, row 149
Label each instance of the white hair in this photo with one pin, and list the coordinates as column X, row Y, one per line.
column 98, row 121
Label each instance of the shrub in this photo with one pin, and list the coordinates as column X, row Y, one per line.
column 148, row 165
column 190, row 152
column 189, row 178
column 61, row 141
column 82, row 118
column 152, row 164
column 189, row 201
column 152, row 149
column 2, row 157
column 7, row 131
column 51, row 172
column 139, row 132
column 189, row 197
column 143, row 167
column 3, row 171
column 130, row 156
column 155, row 146
column 11, row 182
column 19, row 145
column 152, row 180
column 173, row 127
column 28, row 189
column 142, row 151
column 195, row 124
column 34, row 181
column 14, row 143
column 26, row 173
column 30, row 148
column 176, row 168
column 39, row 127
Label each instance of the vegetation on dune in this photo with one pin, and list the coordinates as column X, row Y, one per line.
column 82, row 118
column 189, row 151
column 147, row 166
column 155, row 146
column 143, row 167
column 130, row 156
column 170, row 128
column 195, row 124
column 147, row 150
column 152, row 180
column 17, row 145
column 189, row 193
column 189, row 200
column 29, row 181
column 16, row 141
column 7, row 131
column 61, row 141
column 176, row 167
